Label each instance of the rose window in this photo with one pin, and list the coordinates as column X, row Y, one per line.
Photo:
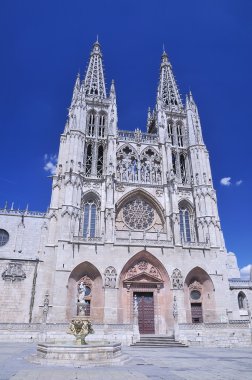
column 138, row 214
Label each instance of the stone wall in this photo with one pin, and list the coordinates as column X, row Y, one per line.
column 216, row 334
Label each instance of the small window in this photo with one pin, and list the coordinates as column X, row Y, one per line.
column 242, row 301
column 4, row 237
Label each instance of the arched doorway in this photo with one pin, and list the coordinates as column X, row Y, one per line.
column 145, row 279
column 86, row 274
column 199, row 297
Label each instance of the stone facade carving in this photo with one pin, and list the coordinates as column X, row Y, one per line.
column 135, row 167
column 110, row 277
column 177, row 279
column 143, row 266
column 14, row 272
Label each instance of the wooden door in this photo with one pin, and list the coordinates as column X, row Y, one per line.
column 196, row 309
column 145, row 312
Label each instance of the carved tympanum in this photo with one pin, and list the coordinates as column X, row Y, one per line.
column 143, row 266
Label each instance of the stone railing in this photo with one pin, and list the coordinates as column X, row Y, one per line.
column 195, row 244
column 137, row 136
column 143, row 242
column 22, row 212
column 81, row 239
column 237, row 283
column 214, row 325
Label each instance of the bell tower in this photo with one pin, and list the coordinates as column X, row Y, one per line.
column 85, row 168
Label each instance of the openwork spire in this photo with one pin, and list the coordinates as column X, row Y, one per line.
column 94, row 81
column 167, row 90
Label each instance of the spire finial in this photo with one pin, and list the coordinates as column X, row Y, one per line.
column 97, row 38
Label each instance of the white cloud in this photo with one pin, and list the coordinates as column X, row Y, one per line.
column 50, row 163
column 238, row 183
column 245, row 271
column 225, row 181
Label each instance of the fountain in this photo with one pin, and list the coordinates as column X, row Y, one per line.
column 79, row 353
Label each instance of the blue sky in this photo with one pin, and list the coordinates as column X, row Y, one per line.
column 45, row 43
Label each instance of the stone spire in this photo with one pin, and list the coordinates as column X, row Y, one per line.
column 168, row 92
column 76, row 90
column 94, row 83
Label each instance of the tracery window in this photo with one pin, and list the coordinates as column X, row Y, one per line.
column 89, row 224
column 100, row 161
column 185, row 223
column 138, row 214
column 91, row 124
column 127, row 165
column 170, row 132
column 242, row 301
column 89, row 157
column 143, row 169
column 180, row 136
column 150, row 171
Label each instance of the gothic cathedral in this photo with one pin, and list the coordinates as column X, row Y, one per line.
column 134, row 221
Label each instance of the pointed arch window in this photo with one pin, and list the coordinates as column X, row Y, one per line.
column 170, row 132
column 91, row 124
column 89, row 225
column 180, row 136
column 100, row 161
column 182, row 168
column 89, row 160
column 185, row 224
column 102, row 123
column 174, row 160
column 242, row 301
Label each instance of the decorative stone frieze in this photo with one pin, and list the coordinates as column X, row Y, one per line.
column 14, row 272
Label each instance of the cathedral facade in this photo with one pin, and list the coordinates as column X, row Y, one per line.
column 133, row 220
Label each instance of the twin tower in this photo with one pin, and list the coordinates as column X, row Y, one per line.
column 112, row 185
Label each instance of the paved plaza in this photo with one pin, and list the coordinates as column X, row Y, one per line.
column 143, row 364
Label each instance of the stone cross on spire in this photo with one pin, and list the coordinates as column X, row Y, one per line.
column 167, row 90
column 94, row 82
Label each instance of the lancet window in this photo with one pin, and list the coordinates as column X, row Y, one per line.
column 101, row 125
column 90, row 217
column 180, row 136
column 185, row 222
column 100, row 161
column 91, row 124
column 89, row 157
column 170, row 132
column 182, row 168
column 174, row 162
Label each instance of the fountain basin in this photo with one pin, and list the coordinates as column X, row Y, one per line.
column 79, row 355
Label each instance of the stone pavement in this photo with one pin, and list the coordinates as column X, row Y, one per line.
column 144, row 364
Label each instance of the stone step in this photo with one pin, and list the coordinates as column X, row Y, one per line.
column 148, row 341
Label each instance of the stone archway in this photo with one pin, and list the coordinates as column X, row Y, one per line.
column 145, row 278
column 89, row 274
column 199, row 295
